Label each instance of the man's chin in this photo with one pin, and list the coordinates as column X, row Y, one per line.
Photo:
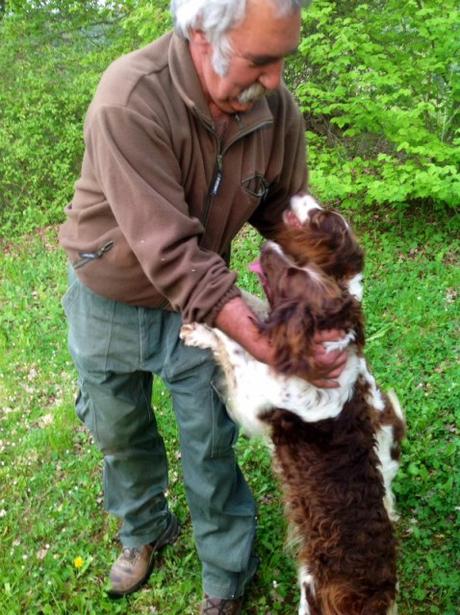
column 240, row 107
column 233, row 105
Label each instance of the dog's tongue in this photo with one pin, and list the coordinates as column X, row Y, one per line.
column 256, row 267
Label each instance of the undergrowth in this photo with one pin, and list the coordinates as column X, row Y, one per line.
column 57, row 544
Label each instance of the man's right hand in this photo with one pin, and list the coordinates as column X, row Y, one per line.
column 238, row 322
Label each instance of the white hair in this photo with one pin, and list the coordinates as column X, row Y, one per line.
column 216, row 18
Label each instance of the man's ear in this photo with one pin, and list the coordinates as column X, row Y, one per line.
column 199, row 40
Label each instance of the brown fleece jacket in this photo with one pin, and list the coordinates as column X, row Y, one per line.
column 161, row 197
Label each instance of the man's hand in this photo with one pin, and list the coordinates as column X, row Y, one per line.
column 329, row 364
column 238, row 322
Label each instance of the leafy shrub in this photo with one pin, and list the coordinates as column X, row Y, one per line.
column 377, row 82
column 147, row 21
column 51, row 58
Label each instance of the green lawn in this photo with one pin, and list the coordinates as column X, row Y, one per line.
column 57, row 544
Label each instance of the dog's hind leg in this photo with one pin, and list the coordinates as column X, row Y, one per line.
column 307, row 604
column 388, row 446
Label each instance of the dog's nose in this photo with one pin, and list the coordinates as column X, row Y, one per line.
column 273, row 247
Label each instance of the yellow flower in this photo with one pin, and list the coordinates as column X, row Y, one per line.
column 78, row 562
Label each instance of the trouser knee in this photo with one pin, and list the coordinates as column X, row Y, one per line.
column 115, row 426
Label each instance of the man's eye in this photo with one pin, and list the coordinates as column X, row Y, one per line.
column 265, row 63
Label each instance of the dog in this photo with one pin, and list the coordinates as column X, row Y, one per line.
column 336, row 451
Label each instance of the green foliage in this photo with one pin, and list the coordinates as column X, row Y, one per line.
column 379, row 84
column 51, row 58
column 412, row 308
column 147, row 21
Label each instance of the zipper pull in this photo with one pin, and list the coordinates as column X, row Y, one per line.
column 219, row 176
column 87, row 257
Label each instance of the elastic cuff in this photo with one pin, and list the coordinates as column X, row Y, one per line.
column 231, row 293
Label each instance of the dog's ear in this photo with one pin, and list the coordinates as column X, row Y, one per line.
column 293, row 323
column 290, row 327
column 326, row 240
column 294, row 283
column 345, row 312
column 341, row 254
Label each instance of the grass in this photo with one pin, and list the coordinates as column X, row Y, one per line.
column 57, row 544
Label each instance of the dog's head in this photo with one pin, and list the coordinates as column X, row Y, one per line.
column 304, row 301
column 316, row 236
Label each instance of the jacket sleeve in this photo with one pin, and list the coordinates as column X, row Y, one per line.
column 141, row 179
column 291, row 180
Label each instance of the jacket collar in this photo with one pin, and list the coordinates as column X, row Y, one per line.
column 187, row 84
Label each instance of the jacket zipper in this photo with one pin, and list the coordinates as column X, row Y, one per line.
column 218, row 172
column 215, row 185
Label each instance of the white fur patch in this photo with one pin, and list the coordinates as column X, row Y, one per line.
column 302, row 206
column 254, row 388
column 305, row 578
column 396, row 404
column 275, row 247
column 388, row 466
column 355, row 286
column 393, row 609
column 374, row 398
column 340, row 344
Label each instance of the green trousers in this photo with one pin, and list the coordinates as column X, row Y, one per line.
column 117, row 348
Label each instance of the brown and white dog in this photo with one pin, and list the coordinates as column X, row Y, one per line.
column 335, row 451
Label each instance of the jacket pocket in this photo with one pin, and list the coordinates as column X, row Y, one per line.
column 256, row 186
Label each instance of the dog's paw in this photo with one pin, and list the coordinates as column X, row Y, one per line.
column 198, row 336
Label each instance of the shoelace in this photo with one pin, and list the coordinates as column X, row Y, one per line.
column 130, row 554
column 225, row 607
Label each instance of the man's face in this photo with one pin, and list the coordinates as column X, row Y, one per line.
column 259, row 45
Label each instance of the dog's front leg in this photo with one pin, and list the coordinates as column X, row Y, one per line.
column 222, row 347
column 199, row 336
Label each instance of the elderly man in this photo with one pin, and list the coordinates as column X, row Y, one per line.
column 186, row 140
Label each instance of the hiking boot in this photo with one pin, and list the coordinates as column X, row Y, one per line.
column 221, row 606
column 133, row 567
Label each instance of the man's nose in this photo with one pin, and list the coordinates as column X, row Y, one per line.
column 271, row 76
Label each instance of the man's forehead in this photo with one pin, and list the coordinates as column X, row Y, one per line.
column 264, row 36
